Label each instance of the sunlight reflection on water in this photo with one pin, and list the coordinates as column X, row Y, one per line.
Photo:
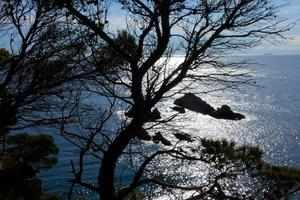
column 271, row 114
column 272, row 118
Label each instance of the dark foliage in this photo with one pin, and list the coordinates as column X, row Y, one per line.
column 24, row 156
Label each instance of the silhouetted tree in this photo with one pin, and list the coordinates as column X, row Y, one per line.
column 40, row 62
column 203, row 32
column 37, row 65
column 24, row 156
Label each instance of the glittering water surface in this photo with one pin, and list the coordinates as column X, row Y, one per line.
column 272, row 113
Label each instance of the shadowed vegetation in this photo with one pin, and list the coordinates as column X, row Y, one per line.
column 64, row 56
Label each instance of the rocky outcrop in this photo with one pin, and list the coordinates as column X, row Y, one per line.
column 154, row 115
column 151, row 116
column 225, row 112
column 178, row 109
column 192, row 102
column 183, row 137
column 158, row 137
column 142, row 134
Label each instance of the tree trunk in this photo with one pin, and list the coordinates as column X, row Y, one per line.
column 3, row 144
column 107, row 171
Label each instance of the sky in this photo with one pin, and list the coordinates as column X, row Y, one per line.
column 290, row 46
column 291, row 11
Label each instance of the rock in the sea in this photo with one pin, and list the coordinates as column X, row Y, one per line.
column 194, row 103
column 154, row 115
column 225, row 112
column 151, row 116
column 143, row 135
column 159, row 138
column 178, row 109
column 183, row 137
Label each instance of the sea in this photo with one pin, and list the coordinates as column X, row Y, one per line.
column 271, row 104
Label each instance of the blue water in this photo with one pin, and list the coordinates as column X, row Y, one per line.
column 276, row 106
column 272, row 110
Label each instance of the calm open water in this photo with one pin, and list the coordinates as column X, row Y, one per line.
column 272, row 121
